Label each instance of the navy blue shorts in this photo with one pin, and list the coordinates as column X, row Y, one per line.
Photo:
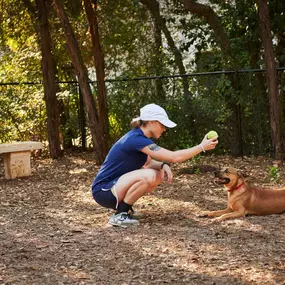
column 104, row 197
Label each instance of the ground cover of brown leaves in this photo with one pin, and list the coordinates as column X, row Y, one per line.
column 52, row 232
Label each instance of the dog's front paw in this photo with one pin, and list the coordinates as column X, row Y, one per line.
column 203, row 215
column 216, row 220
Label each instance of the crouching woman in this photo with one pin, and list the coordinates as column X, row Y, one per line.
column 135, row 165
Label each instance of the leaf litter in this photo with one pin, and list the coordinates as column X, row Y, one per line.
column 52, row 231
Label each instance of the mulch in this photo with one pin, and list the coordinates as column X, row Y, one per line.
column 52, row 231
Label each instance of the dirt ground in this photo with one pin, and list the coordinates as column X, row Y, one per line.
column 52, row 232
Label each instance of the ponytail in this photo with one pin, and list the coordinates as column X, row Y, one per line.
column 136, row 123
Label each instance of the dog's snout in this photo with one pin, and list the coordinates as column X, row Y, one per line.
column 216, row 173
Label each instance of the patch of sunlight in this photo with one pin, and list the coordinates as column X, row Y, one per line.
column 78, row 160
column 75, row 274
column 202, row 258
column 245, row 224
column 165, row 204
column 177, row 254
column 77, row 171
column 216, row 199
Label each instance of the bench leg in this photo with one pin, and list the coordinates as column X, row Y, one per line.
column 17, row 164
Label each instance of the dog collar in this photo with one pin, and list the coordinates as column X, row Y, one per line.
column 236, row 188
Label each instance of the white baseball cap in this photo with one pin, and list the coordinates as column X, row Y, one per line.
column 153, row 112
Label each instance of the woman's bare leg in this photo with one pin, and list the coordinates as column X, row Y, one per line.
column 133, row 185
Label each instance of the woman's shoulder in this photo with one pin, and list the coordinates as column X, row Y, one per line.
column 135, row 132
column 135, row 135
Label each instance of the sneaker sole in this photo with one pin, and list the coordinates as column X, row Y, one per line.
column 123, row 225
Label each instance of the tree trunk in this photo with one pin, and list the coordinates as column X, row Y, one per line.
column 153, row 7
column 49, row 81
column 260, row 92
column 158, row 61
column 81, row 72
column 91, row 12
column 271, row 78
column 81, row 117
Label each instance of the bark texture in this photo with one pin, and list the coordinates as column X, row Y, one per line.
column 91, row 12
column 271, row 78
column 49, row 81
column 81, row 72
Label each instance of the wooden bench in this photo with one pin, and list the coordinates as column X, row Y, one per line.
column 17, row 158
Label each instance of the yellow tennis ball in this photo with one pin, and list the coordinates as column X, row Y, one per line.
column 211, row 134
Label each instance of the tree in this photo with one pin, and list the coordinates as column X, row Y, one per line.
column 49, row 80
column 214, row 22
column 100, row 145
column 271, row 76
column 91, row 12
column 153, row 7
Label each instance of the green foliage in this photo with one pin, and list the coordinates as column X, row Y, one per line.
column 274, row 173
column 22, row 114
column 22, row 110
column 69, row 105
column 197, row 171
column 196, row 160
column 130, row 44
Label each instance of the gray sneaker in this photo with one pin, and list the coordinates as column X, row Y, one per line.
column 122, row 220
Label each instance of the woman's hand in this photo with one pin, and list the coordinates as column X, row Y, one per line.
column 208, row 144
column 166, row 174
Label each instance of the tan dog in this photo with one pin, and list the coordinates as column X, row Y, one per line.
column 243, row 199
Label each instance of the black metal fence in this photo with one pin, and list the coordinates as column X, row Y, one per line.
column 234, row 103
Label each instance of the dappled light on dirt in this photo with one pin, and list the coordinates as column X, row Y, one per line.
column 52, row 231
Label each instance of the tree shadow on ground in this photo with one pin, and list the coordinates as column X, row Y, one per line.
column 52, row 232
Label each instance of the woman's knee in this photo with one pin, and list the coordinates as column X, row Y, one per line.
column 153, row 179
column 150, row 178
